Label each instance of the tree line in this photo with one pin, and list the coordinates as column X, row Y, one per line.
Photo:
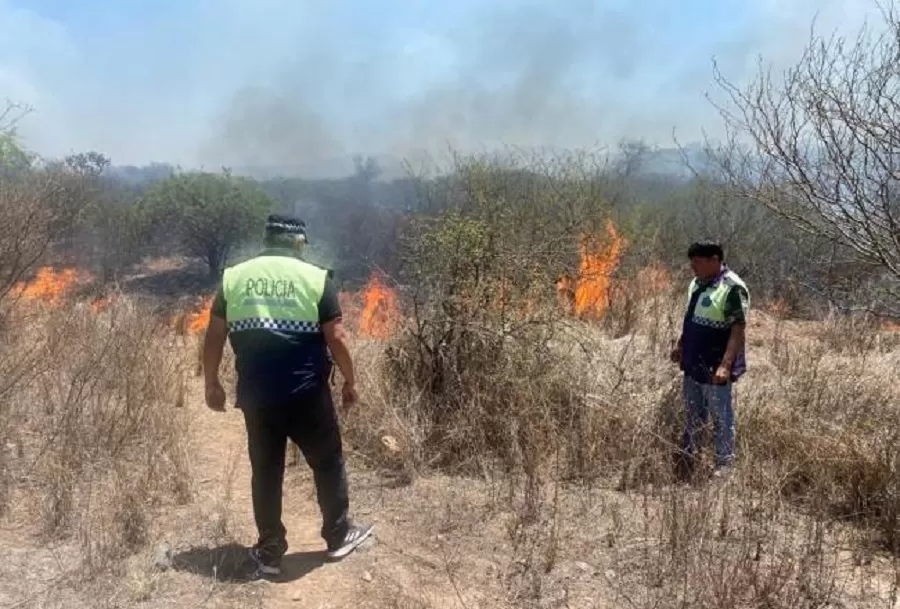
column 107, row 223
column 802, row 194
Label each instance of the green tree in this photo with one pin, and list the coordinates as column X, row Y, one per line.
column 209, row 214
column 13, row 155
column 116, row 231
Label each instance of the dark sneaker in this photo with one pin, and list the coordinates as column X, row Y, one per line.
column 355, row 535
column 266, row 564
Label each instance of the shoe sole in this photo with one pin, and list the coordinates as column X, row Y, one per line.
column 270, row 571
column 347, row 549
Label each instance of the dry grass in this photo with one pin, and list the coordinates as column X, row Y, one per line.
column 542, row 452
column 98, row 428
column 573, row 432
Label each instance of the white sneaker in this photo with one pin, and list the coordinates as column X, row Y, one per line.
column 355, row 535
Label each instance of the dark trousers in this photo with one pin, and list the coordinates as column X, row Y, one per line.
column 311, row 422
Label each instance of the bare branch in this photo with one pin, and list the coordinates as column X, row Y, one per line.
column 820, row 145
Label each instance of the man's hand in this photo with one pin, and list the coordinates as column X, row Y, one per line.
column 722, row 375
column 349, row 397
column 213, row 343
column 215, row 395
column 735, row 344
column 336, row 339
column 675, row 355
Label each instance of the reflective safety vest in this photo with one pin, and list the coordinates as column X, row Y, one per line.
column 707, row 330
column 273, row 292
column 709, row 309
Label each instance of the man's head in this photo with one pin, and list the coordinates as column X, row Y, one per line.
column 285, row 232
column 706, row 259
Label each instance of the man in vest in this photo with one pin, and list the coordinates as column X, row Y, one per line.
column 282, row 317
column 710, row 350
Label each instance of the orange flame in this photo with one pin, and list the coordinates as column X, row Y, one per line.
column 49, row 285
column 198, row 319
column 595, row 271
column 380, row 312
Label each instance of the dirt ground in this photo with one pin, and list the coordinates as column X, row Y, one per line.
column 439, row 542
column 199, row 556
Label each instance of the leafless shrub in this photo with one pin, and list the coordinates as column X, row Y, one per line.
column 37, row 204
column 831, row 428
column 821, row 147
column 105, row 439
column 726, row 545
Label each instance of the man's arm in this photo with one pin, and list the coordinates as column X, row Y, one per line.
column 214, row 341
column 736, row 305
column 735, row 344
column 336, row 338
column 331, row 321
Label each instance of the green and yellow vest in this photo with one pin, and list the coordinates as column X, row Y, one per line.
column 272, row 311
column 706, row 328
column 272, row 292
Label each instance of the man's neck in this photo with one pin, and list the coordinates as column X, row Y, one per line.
column 280, row 251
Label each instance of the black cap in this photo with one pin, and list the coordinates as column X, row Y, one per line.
column 280, row 224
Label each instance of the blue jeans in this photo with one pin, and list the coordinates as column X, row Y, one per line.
column 700, row 401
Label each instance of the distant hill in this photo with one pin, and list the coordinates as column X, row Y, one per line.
column 659, row 162
column 671, row 161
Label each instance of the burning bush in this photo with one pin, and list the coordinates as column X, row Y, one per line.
column 598, row 261
column 380, row 314
column 487, row 367
column 477, row 375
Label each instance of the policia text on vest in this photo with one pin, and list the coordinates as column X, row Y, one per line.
column 263, row 287
column 276, row 293
column 282, row 318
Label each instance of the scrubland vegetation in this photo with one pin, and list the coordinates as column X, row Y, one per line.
column 512, row 317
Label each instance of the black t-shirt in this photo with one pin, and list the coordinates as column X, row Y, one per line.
column 275, row 368
column 736, row 304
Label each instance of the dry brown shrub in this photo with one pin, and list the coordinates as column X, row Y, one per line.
column 485, row 393
column 855, row 335
column 726, row 545
column 569, row 418
column 102, row 435
column 816, row 446
column 830, row 424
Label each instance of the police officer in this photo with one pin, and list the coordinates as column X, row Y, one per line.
column 282, row 317
column 710, row 350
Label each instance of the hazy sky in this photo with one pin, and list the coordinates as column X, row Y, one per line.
column 292, row 82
